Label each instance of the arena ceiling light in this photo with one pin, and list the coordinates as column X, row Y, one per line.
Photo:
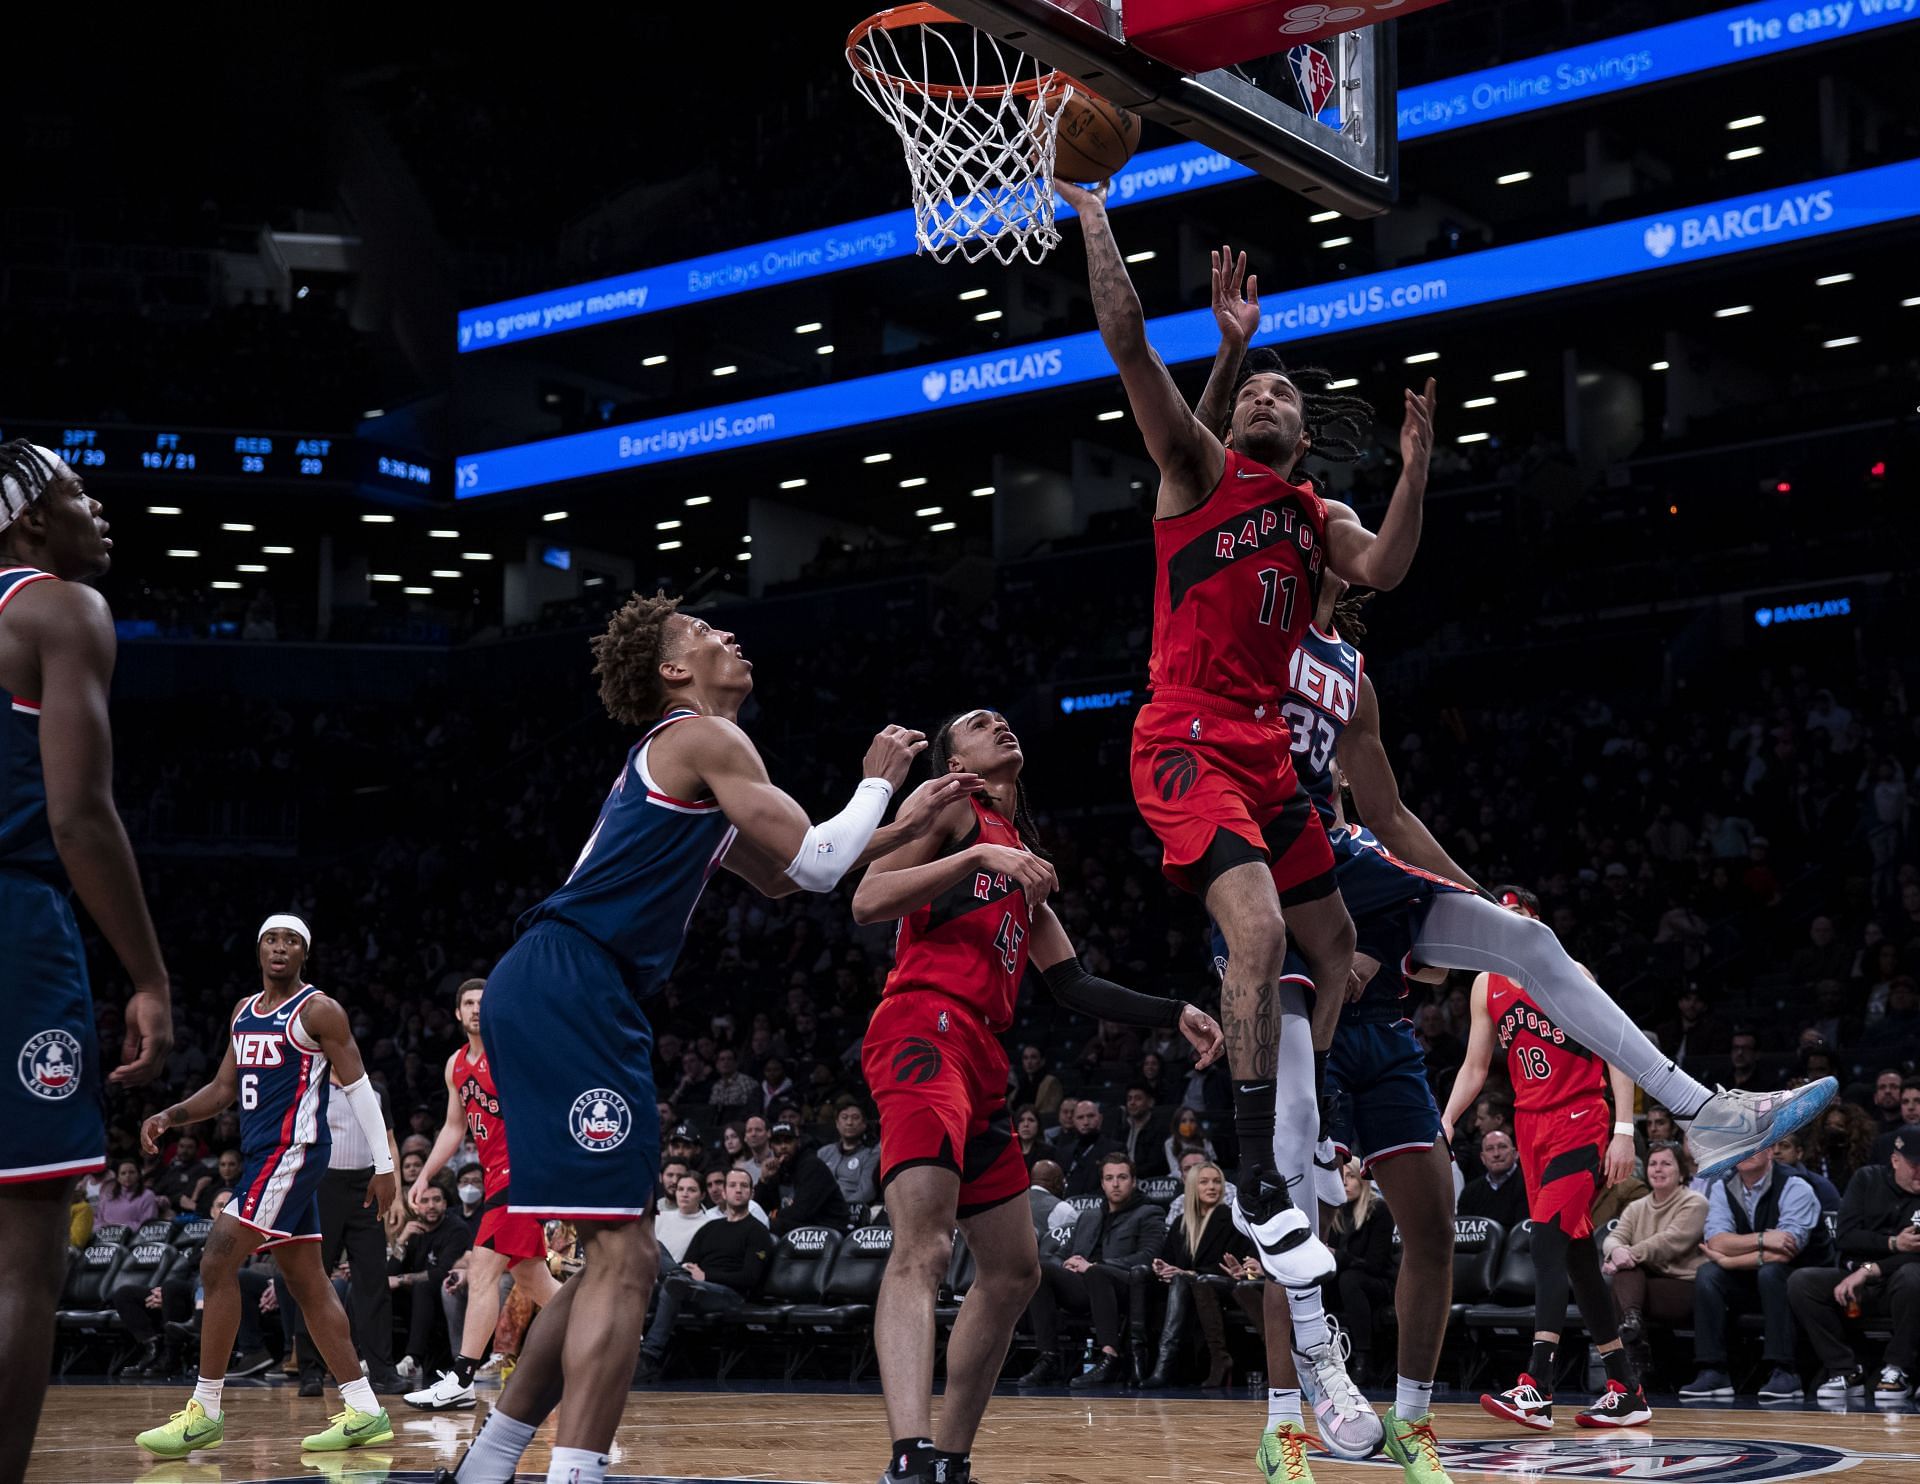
column 1745, row 154
column 1479, row 401
column 553, row 515
column 1513, row 177
column 1839, row 341
column 1509, row 376
column 986, row 315
column 182, row 551
column 1420, row 356
column 276, row 551
column 235, row 525
column 1731, row 310
column 1343, row 383
column 444, row 535
column 824, row 350
column 1112, row 415
column 654, row 360
column 811, row 327
column 418, row 592
column 1323, row 216
column 743, row 556
column 163, row 510
column 1913, row 303
column 876, row 458
column 251, row 567
column 1752, row 120
column 1831, row 279
column 373, row 518
column 696, row 500
column 385, row 577
column 230, row 586
column 445, row 572
column 725, row 370
column 982, row 491
column 785, row 484
column 945, row 525
column 1337, row 242
column 926, row 510
column 476, row 556
column 1145, row 255
column 1658, row 366
column 913, row 483
column 968, row 295
column 1473, row 438
column 666, row 525
column 668, row 546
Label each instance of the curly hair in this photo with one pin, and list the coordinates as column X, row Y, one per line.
column 1347, row 622
column 1338, row 424
column 627, row 659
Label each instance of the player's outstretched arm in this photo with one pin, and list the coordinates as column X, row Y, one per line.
column 1189, row 457
column 326, row 1024
column 446, row 1143
column 1382, row 561
column 1236, row 309
column 1472, row 1075
column 906, row 879
column 216, row 1097
column 71, row 629
column 1376, row 792
column 1069, row 983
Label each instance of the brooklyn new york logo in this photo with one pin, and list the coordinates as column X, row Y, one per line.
column 1710, row 1460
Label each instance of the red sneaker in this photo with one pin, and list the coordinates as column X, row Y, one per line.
column 1616, row 1407
column 1522, row 1403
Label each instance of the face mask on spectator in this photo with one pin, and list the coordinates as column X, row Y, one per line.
column 469, row 1194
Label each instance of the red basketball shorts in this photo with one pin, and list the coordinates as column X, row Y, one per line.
column 514, row 1237
column 1563, row 1161
column 1216, row 784
column 939, row 1083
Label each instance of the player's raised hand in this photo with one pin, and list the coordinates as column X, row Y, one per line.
column 1034, row 875
column 1416, row 433
column 920, row 811
column 1083, row 199
column 892, row 754
column 146, row 1039
column 1236, row 295
column 1203, row 1033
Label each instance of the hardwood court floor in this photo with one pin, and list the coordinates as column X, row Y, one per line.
column 86, row 1434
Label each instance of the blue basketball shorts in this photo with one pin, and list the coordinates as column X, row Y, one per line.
column 1386, row 897
column 1381, row 1103
column 50, row 1091
column 278, row 1192
column 572, row 1058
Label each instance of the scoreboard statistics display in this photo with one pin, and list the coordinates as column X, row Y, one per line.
column 233, row 455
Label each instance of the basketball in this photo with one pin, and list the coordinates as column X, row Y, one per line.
column 1096, row 137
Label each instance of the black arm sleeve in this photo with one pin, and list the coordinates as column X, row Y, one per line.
column 1075, row 988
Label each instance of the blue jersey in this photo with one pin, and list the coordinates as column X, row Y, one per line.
column 26, row 840
column 283, row 1077
column 1323, row 692
column 635, row 885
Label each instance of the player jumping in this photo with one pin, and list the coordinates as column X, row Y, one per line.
column 566, row 1038
column 1241, row 551
column 1567, row 1157
column 505, row 1242
column 59, row 836
column 282, row 1042
column 970, row 896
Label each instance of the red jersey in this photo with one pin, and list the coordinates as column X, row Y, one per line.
column 1548, row 1068
column 970, row 942
column 473, row 1080
column 1237, row 583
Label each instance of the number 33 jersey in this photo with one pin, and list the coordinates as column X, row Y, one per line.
column 1323, row 692
column 970, row 942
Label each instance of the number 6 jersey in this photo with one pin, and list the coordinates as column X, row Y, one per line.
column 283, row 1076
column 970, row 942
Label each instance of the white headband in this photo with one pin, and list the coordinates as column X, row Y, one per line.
column 20, row 488
column 291, row 923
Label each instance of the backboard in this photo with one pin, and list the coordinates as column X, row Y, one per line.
column 1261, row 112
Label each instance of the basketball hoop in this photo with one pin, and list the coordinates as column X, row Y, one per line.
column 977, row 121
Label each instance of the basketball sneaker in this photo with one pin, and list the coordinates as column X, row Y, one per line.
column 185, row 1431
column 350, row 1429
column 1348, row 1424
column 1523, row 1402
column 1289, row 1251
column 1412, row 1445
column 445, row 1395
column 1616, row 1407
column 1733, row 1125
column 1283, row 1454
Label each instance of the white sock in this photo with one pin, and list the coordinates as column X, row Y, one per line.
column 1283, row 1405
column 495, row 1451
column 577, row 1466
column 1308, row 1310
column 207, row 1393
column 1412, row 1400
column 358, row 1394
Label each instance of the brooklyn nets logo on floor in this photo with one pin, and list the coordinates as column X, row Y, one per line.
column 1708, row 1460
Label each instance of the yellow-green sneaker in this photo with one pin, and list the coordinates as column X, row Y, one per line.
column 1412, row 1445
column 351, row 1429
column 1283, row 1454
column 186, row 1430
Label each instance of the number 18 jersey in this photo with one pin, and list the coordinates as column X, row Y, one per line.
column 1548, row 1068
column 970, row 942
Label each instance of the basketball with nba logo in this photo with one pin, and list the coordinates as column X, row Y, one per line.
column 1096, row 137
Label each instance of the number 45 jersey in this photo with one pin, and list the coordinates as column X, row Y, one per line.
column 970, row 942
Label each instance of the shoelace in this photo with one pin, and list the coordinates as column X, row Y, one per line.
column 1330, row 1370
column 1420, row 1434
column 1294, row 1448
column 1527, row 1396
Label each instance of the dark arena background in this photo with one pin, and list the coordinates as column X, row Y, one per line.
column 399, row 350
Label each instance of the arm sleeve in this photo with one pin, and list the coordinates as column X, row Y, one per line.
column 364, row 1104
column 1075, row 988
column 829, row 848
column 1799, row 1209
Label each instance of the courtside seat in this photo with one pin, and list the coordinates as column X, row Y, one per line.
column 1163, row 1190
column 147, row 1265
column 159, row 1230
column 796, row 1274
column 853, row 1283
column 1509, row 1311
column 1477, row 1245
column 1086, row 1202
column 191, row 1233
column 953, row 1288
column 91, row 1276
column 114, row 1235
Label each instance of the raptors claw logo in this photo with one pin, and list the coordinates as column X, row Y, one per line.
column 1174, row 772
column 916, row 1061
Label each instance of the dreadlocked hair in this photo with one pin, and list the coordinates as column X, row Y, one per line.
column 1339, row 425
column 25, row 473
column 940, row 754
column 1347, row 621
column 627, row 659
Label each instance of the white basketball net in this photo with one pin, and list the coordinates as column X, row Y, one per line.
column 977, row 122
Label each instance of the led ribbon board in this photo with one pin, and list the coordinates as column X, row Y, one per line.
column 1577, row 74
column 1818, row 208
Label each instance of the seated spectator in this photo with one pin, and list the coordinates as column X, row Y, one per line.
column 775, row 1085
column 1790, row 1155
column 430, row 1243
column 1143, row 1133
column 1846, row 1143
column 1761, row 1224
column 1081, row 1158
column 1658, row 1127
column 1122, row 1233
column 852, row 1159
column 166, row 1311
column 1880, row 1241
column 183, row 1176
column 1691, row 1037
column 715, row 1180
column 1744, row 1055
column 79, row 1219
column 1064, row 1132
column 1187, row 1138
column 734, row 1151
column 1034, row 1084
column 695, row 1082
column 470, row 1189
column 1499, row 1194
column 128, row 1202
column 796, row 1188
column 754, row 1132
column 1653, row 1254
column 1053, row 1218
column 1174, row 1051
column 1026, row 1128
column 721, row 1268
column 1886, row 1101
column 733, row 1093
column 684, row 1143
column 690, row 1212
column 1201, row 1234
column 1362, row 1286
column 1110, row 1051
column 1909, row 1117
column 671, row 1170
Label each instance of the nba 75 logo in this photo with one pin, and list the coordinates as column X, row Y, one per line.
column 50, row 1065
column 599, row 1119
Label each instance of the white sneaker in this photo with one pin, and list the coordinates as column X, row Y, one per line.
column 493, row 1365
column 1289, row 1251
column 1893, row 1387
column 1733, row 1125
column 1841, row 1385
column 407, row 1368
column 445, row 1395
column 1348, row 1424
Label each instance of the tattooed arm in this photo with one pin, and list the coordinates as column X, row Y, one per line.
column 1190, row 457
